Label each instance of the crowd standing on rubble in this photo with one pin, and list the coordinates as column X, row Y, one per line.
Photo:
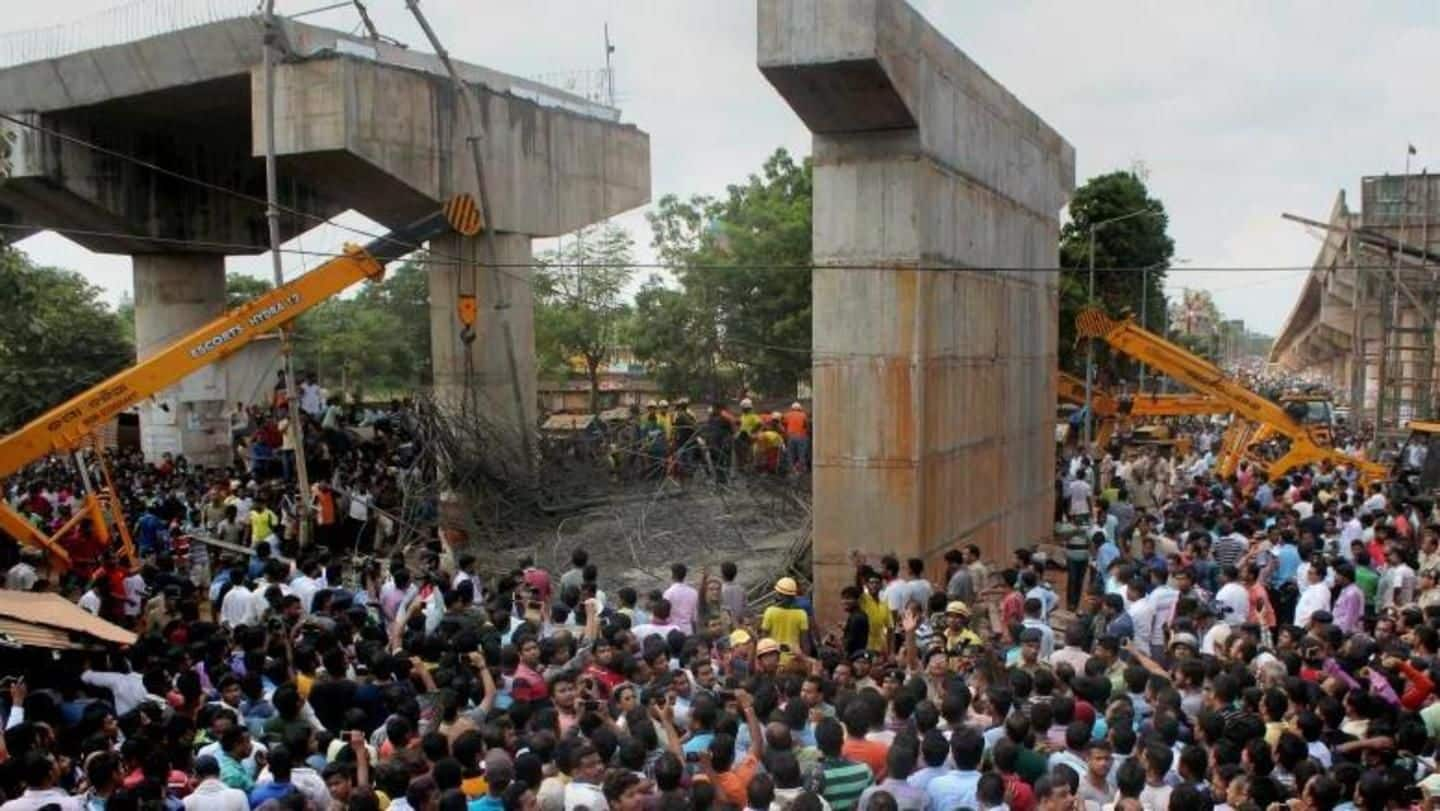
column 1185, row 643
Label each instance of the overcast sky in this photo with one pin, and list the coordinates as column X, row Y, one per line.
column 1237, row 110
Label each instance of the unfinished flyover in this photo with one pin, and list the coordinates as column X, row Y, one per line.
column 1365, row 319
column 361, row 125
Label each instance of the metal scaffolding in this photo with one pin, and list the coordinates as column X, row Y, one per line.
column 1397, row 213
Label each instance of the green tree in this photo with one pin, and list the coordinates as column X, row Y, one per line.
column 678, row 340
column 580, row 308
column 241, row 289
column 380, row 336
column 1124, row 249
column 733, row 259
column 56, row 337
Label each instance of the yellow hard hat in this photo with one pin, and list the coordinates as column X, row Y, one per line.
column 787, row 587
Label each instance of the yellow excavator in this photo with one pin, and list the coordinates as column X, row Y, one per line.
column 71, row 426
column 1307, row 444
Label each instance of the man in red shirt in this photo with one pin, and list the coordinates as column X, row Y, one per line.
column 529, row 684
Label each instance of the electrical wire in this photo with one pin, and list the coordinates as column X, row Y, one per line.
column 444, row 261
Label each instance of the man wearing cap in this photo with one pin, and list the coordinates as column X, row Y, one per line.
column 750, row 423
column 738, row 653
column 797, row 436
column 783, row 622
column 767, row 657
column 957, row 627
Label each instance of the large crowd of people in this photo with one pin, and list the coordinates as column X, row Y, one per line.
column 1184, row 642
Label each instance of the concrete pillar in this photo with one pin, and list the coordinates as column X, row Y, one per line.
column 488, row 371
column 934, row 391
column 175, row 293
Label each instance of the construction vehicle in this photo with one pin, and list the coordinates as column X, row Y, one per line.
column 1306, row 444
column 71, row 426
column 1413, row 483
column 1110, row 411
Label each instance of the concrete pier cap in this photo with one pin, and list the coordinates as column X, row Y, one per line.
column 936, row 229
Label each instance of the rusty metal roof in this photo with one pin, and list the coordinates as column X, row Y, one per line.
column 51, row 621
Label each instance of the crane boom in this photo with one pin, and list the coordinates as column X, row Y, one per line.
column 1175, row 405
column 1204, row 377
column 71, row 425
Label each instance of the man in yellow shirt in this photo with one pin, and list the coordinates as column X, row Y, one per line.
column 784, row 622
column 882, row 622
column 263, row 522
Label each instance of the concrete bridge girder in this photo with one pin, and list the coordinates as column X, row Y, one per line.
column 360, row 125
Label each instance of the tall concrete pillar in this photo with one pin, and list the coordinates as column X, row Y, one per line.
column 934, row 391
column 487, row 372
column 175, row 293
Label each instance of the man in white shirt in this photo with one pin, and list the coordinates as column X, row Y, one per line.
column 1350, row 531
column 41, row 772
column 127, row 688
column 91, row 599
column 1397, row 583
column 1233, row 597
column 1313, row 597
column 235, row 608
column 211, row 794
column 1078, row 493
column 583, row 790
column 1141, row 611
column 307, row 583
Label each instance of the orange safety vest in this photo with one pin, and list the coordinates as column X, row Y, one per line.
column 797, row 424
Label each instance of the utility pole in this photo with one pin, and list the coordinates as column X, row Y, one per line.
column 1090, row 343
column 293, row 416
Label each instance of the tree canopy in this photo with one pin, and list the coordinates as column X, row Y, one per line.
column 1124, row 249
column 379, row 338
column 57, row 337
column 740, row 317
column 580, row 309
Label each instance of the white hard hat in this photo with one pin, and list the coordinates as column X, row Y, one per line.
column 796, row 404
column 650, row 404
column 664, row 403
column 746, row 403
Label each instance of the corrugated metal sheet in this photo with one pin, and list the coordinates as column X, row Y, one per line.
column 37, row 636
column 48, row 618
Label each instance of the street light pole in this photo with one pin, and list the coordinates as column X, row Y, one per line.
column 1090, row 343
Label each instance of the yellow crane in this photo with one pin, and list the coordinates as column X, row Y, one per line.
column 70, row 426
column 1307, row 444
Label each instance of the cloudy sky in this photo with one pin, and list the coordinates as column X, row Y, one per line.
column 1236, row 110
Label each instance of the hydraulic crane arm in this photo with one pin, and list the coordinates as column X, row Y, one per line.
column 1069, row 389
column 68, row 426
column 1186, row 368
column 1205, row 378
column 1175, row 405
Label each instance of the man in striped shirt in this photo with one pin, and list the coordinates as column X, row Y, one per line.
column 841, row 781
column 1229, row 547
